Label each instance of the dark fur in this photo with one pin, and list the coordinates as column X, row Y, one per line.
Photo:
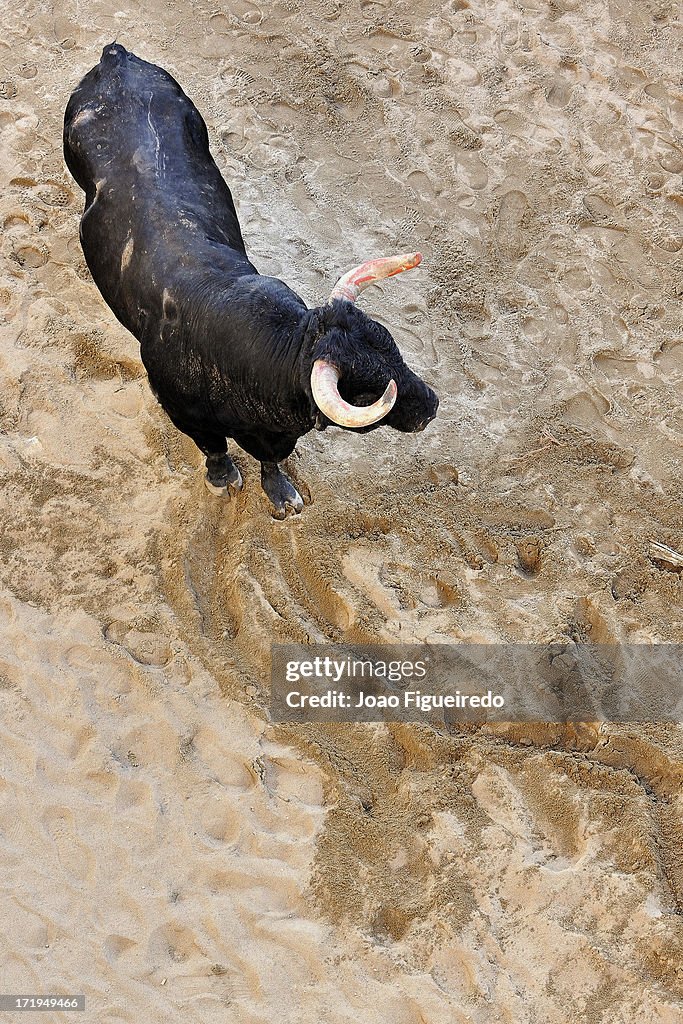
column 227, row 350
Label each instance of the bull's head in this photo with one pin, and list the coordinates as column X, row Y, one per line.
column 359, row 377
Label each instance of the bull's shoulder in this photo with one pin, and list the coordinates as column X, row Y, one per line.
column 268, row 293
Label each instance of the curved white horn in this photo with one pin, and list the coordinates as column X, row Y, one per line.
column 324, row 380
column 354, row 281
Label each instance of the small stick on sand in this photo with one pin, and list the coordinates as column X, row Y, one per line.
column 536, row 451
column 667, row 556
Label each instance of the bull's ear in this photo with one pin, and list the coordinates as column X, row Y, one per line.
column 332, row 346
column 315, row 327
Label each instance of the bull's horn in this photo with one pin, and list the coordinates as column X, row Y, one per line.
column 324, row 380
column 352, row 283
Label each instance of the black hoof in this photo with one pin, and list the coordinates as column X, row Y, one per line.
column 221, row 475
column 284, row 496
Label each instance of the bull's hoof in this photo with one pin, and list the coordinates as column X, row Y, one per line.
column 284, row 496
column 219, row 479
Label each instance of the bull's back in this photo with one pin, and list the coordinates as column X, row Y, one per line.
column 155, row 200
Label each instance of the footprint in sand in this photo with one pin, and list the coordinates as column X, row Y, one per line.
column 385, row 86
column 116, row 946
column 74, row 857
column 220, row 23
column 509, row 231
column 372, row 9
column 558, row 93
column 15, row 219
column 25, row 928
column 32, row 256
column 599, row 211
column 477, row 547
column 66, row 32
column 529, row 552
column 241, row 10
column 431, row 590
column 218, row 820
column 54, row 193
column 423, row 186
column 172, row 943
column 145, row 648
column 672, row 161
column 212, row 750
column 472, row 170
column 134, row 795
column 51, row 192
column 247, row 12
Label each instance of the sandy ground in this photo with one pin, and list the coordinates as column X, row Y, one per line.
column 163, row 848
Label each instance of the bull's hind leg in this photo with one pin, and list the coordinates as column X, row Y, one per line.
column 221, row 471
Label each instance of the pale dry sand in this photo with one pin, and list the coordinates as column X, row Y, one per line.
column 165, row 850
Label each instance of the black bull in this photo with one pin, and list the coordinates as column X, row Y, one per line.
column 229, row 352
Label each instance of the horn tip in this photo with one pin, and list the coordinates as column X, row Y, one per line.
column 411, row 260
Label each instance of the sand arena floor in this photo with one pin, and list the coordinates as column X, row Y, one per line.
column 164, row 849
